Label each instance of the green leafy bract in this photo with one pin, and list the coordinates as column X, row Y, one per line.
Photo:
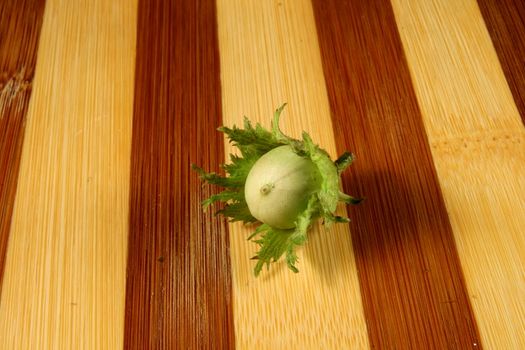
column 253, row 142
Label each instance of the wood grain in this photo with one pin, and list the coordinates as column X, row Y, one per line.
column 427, row 93
column 20, row 23
column 505, row 21
column 478, row 146
column 270, row 55
column 413, row 290
column 178, row 285
column 64, row 280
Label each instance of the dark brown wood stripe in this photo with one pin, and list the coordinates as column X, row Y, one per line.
column 413, row 290
column 178, row 293
column 505, row 20
column 20, row 23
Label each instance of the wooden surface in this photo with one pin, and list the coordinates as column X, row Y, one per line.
column 478, row 146
column 20, row 23
column 178, row 277
column 413, row 289
column 279, row 309
column 64, row 279
column 505, row 20
column 101, row 230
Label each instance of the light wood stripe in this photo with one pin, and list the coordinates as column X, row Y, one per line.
column 64, row 281
column 269, row 54
column 478, row 145
column 412, row 285
column 20, row 23
column 505, row 20
column 178, row 293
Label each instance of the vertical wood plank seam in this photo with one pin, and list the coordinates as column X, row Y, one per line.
column 178, row 283
column 20, row 24
column 505, row 21
column 412, row 284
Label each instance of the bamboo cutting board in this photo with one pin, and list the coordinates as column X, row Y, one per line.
column 105, row 104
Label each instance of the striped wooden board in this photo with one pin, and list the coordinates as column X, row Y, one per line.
column 105, row 104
